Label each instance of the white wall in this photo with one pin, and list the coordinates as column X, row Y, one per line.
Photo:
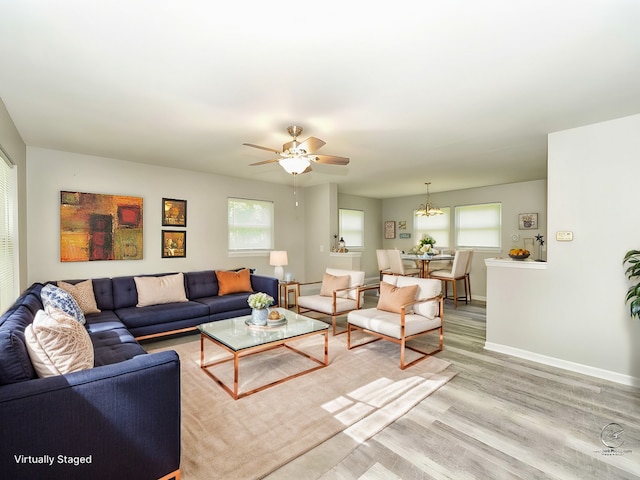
column 575, row 310
column 13, row 145
column 50, row 171
column 373, row 228
column 523, row 197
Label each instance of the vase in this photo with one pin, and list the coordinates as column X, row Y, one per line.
column 259, row 316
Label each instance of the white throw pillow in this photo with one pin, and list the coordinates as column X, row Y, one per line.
column 58, row 344
column 159, row 290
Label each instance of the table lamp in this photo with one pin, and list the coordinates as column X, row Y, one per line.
column 278, row 258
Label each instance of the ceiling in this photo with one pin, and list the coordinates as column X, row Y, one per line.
column 459, row 93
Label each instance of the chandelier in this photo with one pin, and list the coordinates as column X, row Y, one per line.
column 427, row 209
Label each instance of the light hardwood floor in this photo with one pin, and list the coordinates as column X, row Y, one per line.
column 500, row 418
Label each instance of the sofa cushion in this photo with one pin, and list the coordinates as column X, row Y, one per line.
column 114, row 346
column 226, row 303
column 57, row 344
column 134, row 317
column 105, row 320
column 82, row 293
column 392, row 298
column 15, row 364
column 233, row 282
column 160, row 290
column 201, row 284
column 330, row 283
column 56, row 297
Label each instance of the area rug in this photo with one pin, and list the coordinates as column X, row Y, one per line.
column 357, row 395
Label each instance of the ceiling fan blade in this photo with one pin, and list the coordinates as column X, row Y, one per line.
column 264, row 162
column 331, row 160
column 312, row 144
column 262, row 148
column 307, row 170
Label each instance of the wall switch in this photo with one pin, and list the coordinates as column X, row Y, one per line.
column 321, row 248
column 564, row 236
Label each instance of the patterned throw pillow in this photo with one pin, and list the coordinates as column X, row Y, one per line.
column 58, row 344
column 56, row 297
column 82, row 293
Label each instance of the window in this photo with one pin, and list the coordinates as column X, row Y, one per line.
column 250, row 225
column 479, row 226
column 8, row 280
column 437, row 226
column 351, row 226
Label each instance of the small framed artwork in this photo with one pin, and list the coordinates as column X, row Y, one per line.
column 402, row 225
column 528, row 221
column 174, row 212
column 405, row 235
column 390, row 229
column 174, row 244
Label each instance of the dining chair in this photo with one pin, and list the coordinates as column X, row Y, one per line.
column 457, row 273
column 467, row 277
column 383, row 262
column 397, row 266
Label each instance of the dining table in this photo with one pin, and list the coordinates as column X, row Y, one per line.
column 424, row 260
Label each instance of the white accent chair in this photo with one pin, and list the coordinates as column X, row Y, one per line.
column 334, row 301
column 457, row 273
column 420, row 316
column 397, row 266
column 383, row 262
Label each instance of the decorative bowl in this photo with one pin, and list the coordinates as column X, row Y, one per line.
column 520, row 257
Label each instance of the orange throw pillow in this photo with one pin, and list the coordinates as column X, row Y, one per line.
column 392, row 298
column 233, row 282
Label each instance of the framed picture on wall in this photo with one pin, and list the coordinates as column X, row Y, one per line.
column 390, row 229
column 174, row 212
column 174, row 244
column 528, row 221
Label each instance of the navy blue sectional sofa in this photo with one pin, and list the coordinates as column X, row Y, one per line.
column 120, row 419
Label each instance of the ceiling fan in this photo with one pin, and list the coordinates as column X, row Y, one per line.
column 296, row 157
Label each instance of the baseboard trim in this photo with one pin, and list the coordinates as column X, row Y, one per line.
column 564, row 364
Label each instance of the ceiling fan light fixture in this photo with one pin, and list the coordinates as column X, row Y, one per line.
column 427, row 209
column 295, row 165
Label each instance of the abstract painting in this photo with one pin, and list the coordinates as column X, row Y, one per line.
column 94, row 226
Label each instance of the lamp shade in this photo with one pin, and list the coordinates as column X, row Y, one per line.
column 278, row 258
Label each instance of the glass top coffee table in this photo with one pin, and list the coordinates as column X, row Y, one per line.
column 240, row 339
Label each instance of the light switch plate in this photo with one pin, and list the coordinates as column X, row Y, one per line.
column 564, row 236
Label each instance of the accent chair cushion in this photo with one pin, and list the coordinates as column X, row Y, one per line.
column 56, row 297
column 233, row 282
column 160, row 290
column 357, row 280
column 392, row 298
column 427, row 288
column 58, row 344
column 82, row 293
column 331, row 283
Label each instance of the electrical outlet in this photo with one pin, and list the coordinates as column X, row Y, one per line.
column 564, row 236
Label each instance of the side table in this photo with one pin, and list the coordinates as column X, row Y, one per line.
column 284, row 289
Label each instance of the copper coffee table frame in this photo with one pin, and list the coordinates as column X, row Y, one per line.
column 269, row 345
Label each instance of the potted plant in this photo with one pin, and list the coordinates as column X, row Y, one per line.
column 632, row 261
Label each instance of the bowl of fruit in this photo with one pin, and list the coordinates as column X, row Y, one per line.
column 519, row 253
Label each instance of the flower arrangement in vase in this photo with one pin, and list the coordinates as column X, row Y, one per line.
column 425, row 245
column 259, row 303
